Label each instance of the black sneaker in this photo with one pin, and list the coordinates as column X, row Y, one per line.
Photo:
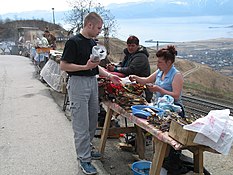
column 88, row 168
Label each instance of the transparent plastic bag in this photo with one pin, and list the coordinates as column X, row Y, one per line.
column 99, row 52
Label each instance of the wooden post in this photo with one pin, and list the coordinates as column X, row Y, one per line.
column 157, row 162
column 140, row 142
column 104, row 134
column 198, row 160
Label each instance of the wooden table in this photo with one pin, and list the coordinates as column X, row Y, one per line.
column 162, row 141
column 41, row 57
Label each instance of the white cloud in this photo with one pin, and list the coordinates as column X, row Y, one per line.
column 15, row 6
column 179, row 2
column 107, row 2
column 221, row 2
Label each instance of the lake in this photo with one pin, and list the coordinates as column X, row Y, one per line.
column 176, row 29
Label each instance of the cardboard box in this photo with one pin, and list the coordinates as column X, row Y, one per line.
column 181, row 135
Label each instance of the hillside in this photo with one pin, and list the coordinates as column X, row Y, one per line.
column 206, row 83
column 200, row 80
column 9, row 32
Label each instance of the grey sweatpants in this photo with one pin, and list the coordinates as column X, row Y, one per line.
column 84, row 105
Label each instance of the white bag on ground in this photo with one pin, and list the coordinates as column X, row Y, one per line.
column 52, row 74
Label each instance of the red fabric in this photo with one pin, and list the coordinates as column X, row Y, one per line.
column 114, row 89
column 109, row 87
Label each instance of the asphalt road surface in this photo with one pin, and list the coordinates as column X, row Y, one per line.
column 35, row 136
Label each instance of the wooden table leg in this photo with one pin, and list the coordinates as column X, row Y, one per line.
column 198, row 160
column 104, row 134
column 140, row 142
column 157, row 162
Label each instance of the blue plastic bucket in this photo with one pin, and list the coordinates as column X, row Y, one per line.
column 141, row 167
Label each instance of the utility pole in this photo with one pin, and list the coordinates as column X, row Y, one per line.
column 157, row 42
column 53, row 16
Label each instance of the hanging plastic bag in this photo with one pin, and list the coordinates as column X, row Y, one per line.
column 99, row 52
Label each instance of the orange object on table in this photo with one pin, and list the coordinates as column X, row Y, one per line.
column 43, row 49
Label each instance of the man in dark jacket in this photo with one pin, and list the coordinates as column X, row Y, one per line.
column 135, row 62
column 51, row 39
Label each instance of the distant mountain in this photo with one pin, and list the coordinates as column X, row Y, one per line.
column 171, row 8
column 144, row 9
column 37, row 15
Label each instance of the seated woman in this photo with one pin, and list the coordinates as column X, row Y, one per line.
column 166, row 80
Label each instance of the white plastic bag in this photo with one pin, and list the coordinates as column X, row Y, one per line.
column 52, row 74
column 211, row 125
column 223, row 145
column 99, row 52
column 214, row 130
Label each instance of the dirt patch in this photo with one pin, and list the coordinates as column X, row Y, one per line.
column 118, row 162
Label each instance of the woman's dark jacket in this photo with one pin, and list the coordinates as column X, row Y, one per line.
column 136, row 64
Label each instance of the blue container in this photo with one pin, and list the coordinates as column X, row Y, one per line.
column 141, row 167
column 138, row 111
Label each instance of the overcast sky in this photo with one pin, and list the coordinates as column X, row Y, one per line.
column 14, row 6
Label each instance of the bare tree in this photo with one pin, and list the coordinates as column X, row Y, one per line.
column 80, row 8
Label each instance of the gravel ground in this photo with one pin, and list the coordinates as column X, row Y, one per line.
column 117, row 161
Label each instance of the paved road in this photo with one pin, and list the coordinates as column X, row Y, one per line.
column 35, row 136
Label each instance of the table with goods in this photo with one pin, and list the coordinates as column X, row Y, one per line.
column 41, row 56
column 52, row 74
column 166, row 127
